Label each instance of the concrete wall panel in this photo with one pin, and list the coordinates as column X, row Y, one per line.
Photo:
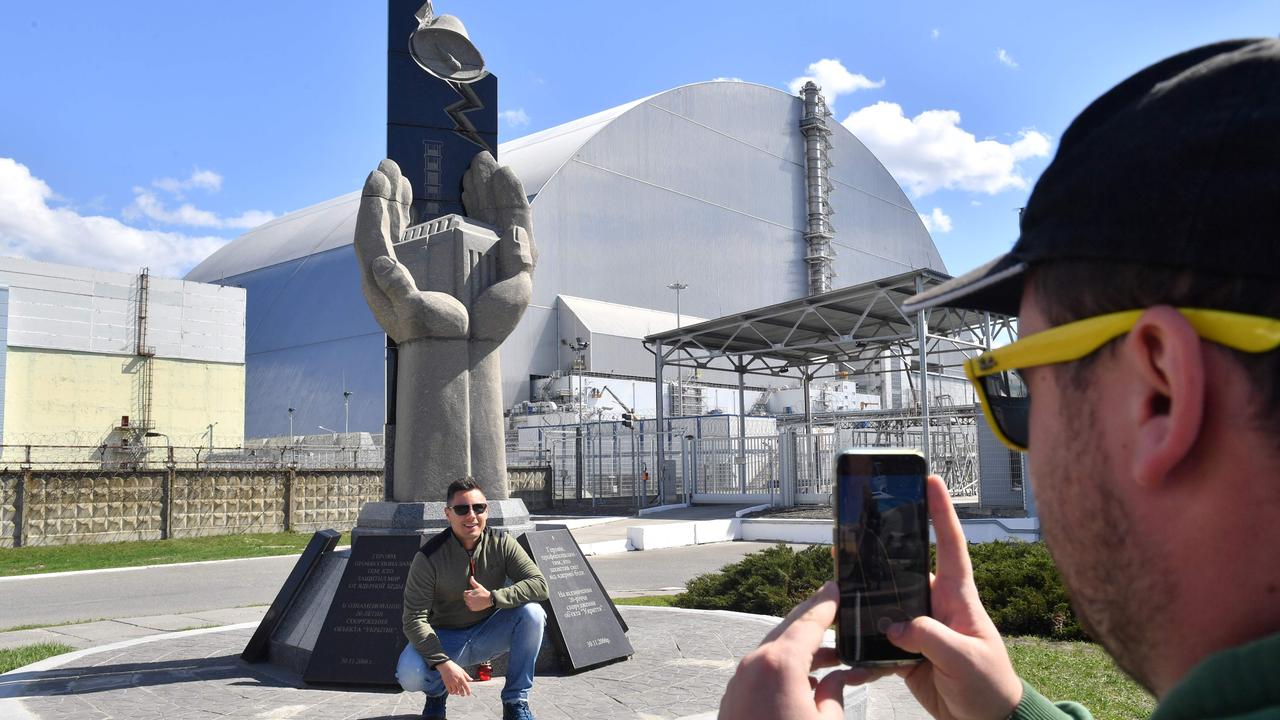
column 60, row 307
column 66, row 508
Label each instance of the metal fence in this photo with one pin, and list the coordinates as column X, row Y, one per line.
column 799, row 467
column 733, row 466
column 608, row 464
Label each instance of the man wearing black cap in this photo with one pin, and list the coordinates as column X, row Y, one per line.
column 1147, row 285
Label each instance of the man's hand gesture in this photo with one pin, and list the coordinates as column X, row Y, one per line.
column 477, row 598
column 966, row 674
column 456, row 680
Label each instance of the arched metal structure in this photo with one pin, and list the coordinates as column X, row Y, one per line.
column 704, row 183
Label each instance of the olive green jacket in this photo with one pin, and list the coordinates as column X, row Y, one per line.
column 441, row 573
column 1242, row 682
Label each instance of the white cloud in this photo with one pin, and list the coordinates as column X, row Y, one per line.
column 1006, row 59
column 936, row 221
column 202, row 179
column 834, row 78
column 147, row 204
column 31, row 228
column 932, row 152
column 935, row 33
column 515, row 118
column 727, row 79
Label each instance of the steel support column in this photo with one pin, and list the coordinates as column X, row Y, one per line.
column 922, row 332
column 808, row 426
column 742, row 430
column 658, row 418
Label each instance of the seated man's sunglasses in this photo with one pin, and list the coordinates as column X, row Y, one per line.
column 465, row 509
column 1003, row 394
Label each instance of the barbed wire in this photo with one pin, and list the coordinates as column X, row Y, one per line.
column 163, row 457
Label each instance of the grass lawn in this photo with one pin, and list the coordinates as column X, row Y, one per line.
column 647, row 600
column 1082, row 672
column 32, row 560
column 27, row 654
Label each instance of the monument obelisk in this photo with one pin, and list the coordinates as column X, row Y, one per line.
column 448, row 290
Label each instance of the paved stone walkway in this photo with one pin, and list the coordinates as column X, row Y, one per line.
column 92, row 634
column 683, row 661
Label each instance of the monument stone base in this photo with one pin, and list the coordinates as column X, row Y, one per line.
column 427, row 518
column 344, row 607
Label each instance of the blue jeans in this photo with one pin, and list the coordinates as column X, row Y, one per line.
column 516, row 629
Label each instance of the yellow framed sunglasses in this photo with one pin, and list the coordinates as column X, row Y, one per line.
column 1003, row 394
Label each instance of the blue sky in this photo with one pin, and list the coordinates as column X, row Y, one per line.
column 150, row 133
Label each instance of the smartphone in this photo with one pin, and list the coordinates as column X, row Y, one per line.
column 882, row 551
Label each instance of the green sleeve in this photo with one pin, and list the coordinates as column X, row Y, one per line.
column 527, row 584
column 419, row 590
column 1035, row 706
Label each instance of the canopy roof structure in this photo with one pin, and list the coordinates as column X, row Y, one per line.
column 836, row 334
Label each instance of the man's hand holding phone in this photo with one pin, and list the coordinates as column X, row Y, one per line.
column 966, row 673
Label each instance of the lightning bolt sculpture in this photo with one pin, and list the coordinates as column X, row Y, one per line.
column 463, row 126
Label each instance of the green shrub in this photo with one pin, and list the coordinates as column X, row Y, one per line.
column 769, row 582
column 1018, row 584
column 1022, row 590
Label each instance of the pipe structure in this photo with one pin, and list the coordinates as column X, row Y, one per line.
column 819, row 232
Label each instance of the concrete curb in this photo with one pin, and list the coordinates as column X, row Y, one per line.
column 661, row 508
column 575, row 523
column 131, row 568
column 799, row 531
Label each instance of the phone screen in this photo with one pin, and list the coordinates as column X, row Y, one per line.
column 882, row 551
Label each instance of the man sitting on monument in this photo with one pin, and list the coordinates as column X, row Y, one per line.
column 453, row 619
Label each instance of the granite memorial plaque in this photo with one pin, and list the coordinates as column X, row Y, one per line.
column 320, row 544
column 584, row 624
column 361, row 639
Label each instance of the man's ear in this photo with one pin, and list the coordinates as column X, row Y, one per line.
column 1164, row 362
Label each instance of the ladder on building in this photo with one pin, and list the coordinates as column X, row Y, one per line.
column 134, row 434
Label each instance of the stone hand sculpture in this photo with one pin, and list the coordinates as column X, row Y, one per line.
column 449, row 420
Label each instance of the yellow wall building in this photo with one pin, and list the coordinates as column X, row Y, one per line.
column 84, row 349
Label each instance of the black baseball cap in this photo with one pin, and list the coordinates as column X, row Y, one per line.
column 1177, row 166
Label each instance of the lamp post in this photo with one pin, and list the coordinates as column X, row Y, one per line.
column 679, row 409
column 167, row 443
column 578, row 346
column 210, row 431
column 346, row 411
column 290, row 426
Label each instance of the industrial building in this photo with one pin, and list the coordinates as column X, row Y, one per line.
column 96, row 365
column 693, row 203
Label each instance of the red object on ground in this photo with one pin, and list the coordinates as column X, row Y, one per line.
column 484, row 671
